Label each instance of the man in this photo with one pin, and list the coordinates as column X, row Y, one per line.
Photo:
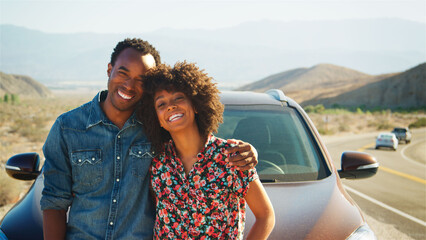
column 97, row 158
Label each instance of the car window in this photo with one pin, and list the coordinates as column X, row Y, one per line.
column 286, row 150
column 400, row 130
column 385, row 136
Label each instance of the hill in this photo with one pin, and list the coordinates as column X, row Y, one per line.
column 23, row 86
column 318, row 82
column 406, row 89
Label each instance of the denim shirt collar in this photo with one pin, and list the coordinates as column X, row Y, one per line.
column 98, row 116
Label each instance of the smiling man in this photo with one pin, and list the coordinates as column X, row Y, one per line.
column 97, row 158
column 125, row 84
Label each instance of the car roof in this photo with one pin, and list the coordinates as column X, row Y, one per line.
column 247, row 98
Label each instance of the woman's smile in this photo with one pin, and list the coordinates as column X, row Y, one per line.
column 175, row 117
column 174, row 110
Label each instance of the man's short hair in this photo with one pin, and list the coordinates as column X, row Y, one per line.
column 139, row 45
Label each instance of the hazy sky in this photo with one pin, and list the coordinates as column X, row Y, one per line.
column 125, row 16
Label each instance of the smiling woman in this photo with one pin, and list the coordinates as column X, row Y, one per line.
column 197, row 193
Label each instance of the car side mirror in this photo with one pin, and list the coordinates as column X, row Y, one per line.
column 357, row 165
column 24, row 166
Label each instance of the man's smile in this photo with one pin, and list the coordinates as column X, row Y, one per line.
column 124, row 96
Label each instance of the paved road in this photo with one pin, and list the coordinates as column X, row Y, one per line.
column 396, row 196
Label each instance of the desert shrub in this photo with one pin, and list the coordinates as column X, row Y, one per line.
column 385, row 125
column 344, row 127
column 336, row 111
column 15, row 99
column 325, row 131
column 314, row 109
column 359, row 111
column 360, row 127
column 309, row 109
column 421, row 122
column 319, row 108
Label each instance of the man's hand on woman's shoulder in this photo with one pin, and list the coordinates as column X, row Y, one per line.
column 245, row 157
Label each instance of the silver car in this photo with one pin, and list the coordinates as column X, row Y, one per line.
column 295, row 168
column 387, row 140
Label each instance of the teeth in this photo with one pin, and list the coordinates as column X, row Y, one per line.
column 175, row 116
column 127, row 97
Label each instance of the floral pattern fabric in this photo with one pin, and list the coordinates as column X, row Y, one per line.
column 207, row 203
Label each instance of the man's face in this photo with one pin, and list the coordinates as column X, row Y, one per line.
column 125, row 79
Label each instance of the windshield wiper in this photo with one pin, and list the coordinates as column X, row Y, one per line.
column 268, row 180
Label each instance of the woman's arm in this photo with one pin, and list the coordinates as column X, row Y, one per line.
column 261, row 206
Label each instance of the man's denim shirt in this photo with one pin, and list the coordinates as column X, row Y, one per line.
column 101, row 173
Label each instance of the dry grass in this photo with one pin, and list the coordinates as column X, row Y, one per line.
column 24, row 128
column 332, row 123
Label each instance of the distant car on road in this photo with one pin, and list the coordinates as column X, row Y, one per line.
column 402, row 134
column 295, row 168
column 387, row 140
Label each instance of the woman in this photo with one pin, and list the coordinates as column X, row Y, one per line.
column 198, row 195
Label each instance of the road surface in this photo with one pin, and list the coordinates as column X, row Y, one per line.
column 394, row 200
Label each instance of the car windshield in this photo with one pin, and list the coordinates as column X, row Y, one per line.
column 400, row 130
column 286, row 150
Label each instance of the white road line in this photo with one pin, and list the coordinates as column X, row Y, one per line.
column 394, row 210
column 408, row 158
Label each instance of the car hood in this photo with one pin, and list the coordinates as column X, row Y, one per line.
column 303, row 210
column 311, row 210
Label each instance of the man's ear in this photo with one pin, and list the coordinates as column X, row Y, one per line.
column 109, row 69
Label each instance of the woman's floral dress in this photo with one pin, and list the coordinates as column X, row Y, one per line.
column 208, row 203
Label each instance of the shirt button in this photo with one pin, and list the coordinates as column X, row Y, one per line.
column 118, row 157
column 119, row 136
column 140, row 152
column 114, row 200
column 79, row 160
column 93, row 159
column 117, row 180
column 111, row 223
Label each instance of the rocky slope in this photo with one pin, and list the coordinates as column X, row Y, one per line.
column 330, row 84
column 405, row 90
column 23, row 86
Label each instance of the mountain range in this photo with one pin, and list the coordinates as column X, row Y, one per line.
column 325, row 84
column 330, row 85
column 233, row 56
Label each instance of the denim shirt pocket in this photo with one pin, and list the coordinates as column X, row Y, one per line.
column 87, row 167
column 141, row 157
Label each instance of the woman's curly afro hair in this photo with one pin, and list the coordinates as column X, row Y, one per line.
column 195, row 84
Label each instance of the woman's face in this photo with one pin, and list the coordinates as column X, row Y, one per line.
column 174, row 110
